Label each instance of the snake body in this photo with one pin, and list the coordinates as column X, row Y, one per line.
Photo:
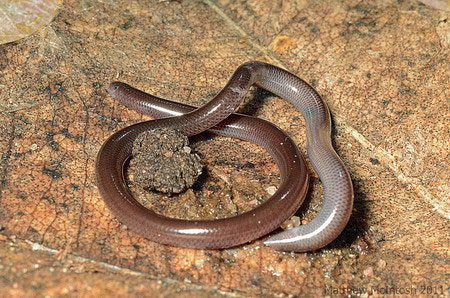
column 217, row 116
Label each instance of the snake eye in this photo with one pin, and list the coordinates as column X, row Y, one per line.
column 116, row 87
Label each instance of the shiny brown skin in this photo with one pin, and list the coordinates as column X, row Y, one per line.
column 215, row 116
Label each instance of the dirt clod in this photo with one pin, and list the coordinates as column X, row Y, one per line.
column 164, row 161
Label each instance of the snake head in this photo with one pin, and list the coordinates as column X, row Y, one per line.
column 114, row 88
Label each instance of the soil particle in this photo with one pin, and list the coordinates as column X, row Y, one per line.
column 164, row 161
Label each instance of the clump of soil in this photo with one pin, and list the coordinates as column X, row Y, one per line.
column 164, row 161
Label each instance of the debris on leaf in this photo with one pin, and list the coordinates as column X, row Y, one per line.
column 164, row 161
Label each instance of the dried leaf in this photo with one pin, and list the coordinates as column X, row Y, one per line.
column 438, row 4
column 20, row 18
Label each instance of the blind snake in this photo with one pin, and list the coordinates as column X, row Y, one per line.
column 217, row 116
